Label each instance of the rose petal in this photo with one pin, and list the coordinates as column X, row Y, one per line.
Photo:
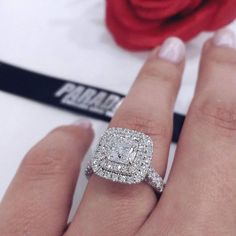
column 140, row 25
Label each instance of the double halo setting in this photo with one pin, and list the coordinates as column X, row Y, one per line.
column 125, row 156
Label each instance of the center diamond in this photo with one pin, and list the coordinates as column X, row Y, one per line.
column 122, row 151
column 123, row 156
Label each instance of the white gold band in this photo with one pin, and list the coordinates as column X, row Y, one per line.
column 152, row 178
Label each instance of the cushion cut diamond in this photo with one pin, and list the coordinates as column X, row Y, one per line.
column 123, row 152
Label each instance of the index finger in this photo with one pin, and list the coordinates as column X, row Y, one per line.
column 39, row 198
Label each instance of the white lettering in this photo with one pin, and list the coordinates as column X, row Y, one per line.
column 68, row 87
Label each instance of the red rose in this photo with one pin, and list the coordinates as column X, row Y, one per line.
column 143, row 24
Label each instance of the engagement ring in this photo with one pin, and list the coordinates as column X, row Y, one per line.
column 125, row 156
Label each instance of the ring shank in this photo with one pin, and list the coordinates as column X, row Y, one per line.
column 155, row 180
column 152, row 178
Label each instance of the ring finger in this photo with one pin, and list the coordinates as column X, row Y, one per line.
column 116, row 209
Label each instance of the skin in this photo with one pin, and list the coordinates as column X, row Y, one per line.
column 200, row 196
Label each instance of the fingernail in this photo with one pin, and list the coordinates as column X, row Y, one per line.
column 224, row 38
column 86, row 124
column 173, row 50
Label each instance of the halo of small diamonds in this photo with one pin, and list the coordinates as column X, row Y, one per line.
column 123, row 155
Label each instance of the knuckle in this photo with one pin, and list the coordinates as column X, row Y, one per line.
column 154, row 127
column 219, row 114
column 45, row 164
column 49, row 158
column 64, row 132
column 220, row 56
column 12, row 231
column 161, row 73
column 19, row 225
column 22, row 220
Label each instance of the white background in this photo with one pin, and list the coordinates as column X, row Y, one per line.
column 68, row 39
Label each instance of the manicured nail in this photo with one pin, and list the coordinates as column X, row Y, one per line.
column 224, row 38
column 173, row 50
column 86, row 124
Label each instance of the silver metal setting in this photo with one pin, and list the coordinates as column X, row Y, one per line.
column 125, row 156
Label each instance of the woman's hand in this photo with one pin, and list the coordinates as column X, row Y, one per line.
column 200, row 195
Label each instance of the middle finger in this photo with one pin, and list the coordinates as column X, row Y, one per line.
column 119, row 209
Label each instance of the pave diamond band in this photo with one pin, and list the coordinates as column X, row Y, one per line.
column 124, row 156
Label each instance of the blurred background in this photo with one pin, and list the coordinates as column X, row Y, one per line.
column 67, row 39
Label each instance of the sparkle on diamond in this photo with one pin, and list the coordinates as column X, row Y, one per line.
column 122, row 151
column 123, row 155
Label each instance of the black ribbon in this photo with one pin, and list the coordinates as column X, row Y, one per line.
column 75, row 97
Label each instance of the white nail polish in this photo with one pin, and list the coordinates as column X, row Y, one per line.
column 224, row 38
column 173, row 50
column 86, row 124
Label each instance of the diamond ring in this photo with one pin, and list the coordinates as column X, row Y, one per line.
column 124, row 156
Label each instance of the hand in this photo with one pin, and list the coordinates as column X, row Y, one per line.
column 200, row 195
